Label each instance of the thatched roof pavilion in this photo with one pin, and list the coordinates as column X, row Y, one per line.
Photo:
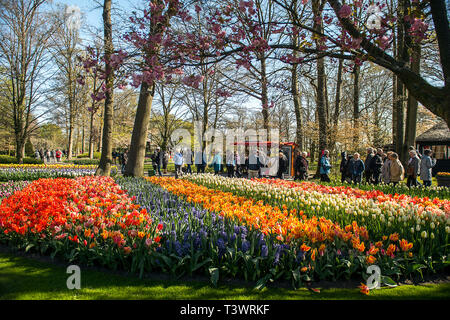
column 438, row 134
column 438, row 140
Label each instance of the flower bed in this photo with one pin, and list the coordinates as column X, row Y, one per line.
column 180, row 227
column 87, row 219
column 8, row 188
column 401, row 188
column 427, row 226
column 315, row 245
column 30, row 172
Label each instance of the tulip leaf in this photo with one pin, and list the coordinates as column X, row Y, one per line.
column 214, row 273
column 388, row 281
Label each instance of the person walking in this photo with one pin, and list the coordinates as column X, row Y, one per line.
column 47, row 155
column 188, row 157
column 200, row 162
column 165, row 161
column 349, row 172
column 368, row 172
column 282, row 165
column 357, row 168
column 253, row 164
column 412, row 169
column 386, row 168
column 237, row 161
column 114, row 156
column 376, row 164
column 217, row 162
column 230, row 164
column 157, row 160
column 52, row 156
column 396, row 169
column 301, row 166
column 124, row 159
column 426, row 166
column 58, row 155
column 325, row 167
column 36, row 155
column 344, row 166
column 178, row 161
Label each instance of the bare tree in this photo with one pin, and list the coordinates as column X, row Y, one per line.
column 25, row 34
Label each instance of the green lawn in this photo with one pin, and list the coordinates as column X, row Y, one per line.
column 25, row 278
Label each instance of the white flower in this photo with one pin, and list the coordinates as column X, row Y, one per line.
column 432, row 235
column 423, row 234
column 373, row 22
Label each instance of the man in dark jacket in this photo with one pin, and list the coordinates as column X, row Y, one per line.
column 301, row 166
column 344, row 165
column 157, row 160
column 282, row 165
column 348, row 169
column 376, row 164
column 367, row 171
column 253, row 164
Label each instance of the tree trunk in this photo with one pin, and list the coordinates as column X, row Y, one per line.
column 356, row 124
column 136, row 154
column 20, row 149
column 91, row 136
column 337, row 102
column 264, row 94
column 297, row 106
column 411, row 113
column 70, row 146
column 104, row 167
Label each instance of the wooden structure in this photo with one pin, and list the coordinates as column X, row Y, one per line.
column 438, row 140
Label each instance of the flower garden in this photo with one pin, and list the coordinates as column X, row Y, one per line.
column 260, row 230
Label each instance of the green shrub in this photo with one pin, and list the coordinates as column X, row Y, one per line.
column 86, row 155
column 10, row 160
column 86, row 161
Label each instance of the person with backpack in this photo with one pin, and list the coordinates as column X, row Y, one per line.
column 412, row 169
column 426, row 165
column 376, row 163
column 325, row 167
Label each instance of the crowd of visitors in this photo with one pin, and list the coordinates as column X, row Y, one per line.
column 50, row 156
column 387, row 167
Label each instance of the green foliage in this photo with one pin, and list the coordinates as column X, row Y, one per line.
column 86, row 161
column 29, row 150
column 12, row 160
column 86, row 155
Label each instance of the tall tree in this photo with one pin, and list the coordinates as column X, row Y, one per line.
column 104, row 167
column 24, row 41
